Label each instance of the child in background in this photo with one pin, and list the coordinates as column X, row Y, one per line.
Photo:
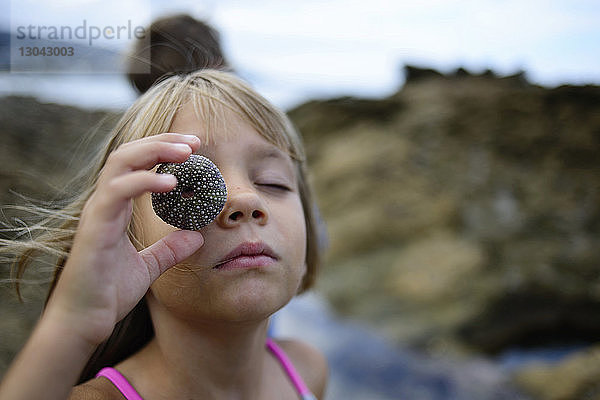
column 178, row 314
column 178, row 44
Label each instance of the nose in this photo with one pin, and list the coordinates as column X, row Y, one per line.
column 243, row 205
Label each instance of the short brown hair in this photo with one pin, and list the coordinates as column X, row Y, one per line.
column 178, row 44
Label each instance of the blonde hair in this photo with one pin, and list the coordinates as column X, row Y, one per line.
column 212, row 93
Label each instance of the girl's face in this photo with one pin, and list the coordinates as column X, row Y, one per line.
column 253, row 258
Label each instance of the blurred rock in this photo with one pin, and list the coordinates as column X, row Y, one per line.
column 463, row 211
column 577, row 377
column 45, row 146
column 363, row 365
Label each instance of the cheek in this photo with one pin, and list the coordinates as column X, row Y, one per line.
column 293, row 228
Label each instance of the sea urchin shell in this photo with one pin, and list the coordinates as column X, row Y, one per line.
column 197, row 199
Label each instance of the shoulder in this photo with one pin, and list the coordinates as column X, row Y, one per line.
column 310, row 363
column 95, row 389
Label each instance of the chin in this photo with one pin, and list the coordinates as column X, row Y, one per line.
column 238, row 297
column 254, row 302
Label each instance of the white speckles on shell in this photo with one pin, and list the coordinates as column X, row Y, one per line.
column 202, row 177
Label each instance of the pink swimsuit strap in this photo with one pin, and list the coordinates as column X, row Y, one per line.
column 130, row 393
column 290, row 370
column 120, row 382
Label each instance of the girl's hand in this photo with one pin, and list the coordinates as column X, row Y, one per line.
column 105, row 276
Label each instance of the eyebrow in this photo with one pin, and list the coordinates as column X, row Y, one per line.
column 263, row 153
column 269, row 152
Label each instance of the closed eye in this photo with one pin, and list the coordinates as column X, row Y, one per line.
column 276, row 186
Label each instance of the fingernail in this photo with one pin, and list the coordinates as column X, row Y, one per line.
column 167, row 178
column 192, row 137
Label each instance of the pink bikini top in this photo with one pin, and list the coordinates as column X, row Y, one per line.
column 130, row 393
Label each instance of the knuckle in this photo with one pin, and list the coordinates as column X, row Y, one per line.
column 115, row 156
column 156, row 147
column 171, row 254
column 152, row 263
column 112, row 185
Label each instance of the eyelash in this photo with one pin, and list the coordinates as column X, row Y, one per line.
column 275, row 186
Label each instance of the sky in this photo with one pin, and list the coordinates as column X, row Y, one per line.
column 294, row 51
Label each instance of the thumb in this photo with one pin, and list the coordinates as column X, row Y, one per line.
column 170, row 250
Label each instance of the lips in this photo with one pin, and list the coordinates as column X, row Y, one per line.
column 248, row 255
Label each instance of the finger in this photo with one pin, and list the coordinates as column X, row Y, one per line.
column 120, row 190
column 144, row 156
column 170, row 138
column 170, row 250
column 145, row 153
column 191, row 140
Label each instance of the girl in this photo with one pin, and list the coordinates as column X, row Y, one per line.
column 179, row 314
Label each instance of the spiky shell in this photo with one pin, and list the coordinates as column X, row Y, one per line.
column 198, row 198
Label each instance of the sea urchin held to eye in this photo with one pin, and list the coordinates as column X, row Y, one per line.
column 198, row 198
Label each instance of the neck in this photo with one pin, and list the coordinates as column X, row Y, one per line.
column 207, row 359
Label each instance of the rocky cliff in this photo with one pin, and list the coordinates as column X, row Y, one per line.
column 463, row 211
